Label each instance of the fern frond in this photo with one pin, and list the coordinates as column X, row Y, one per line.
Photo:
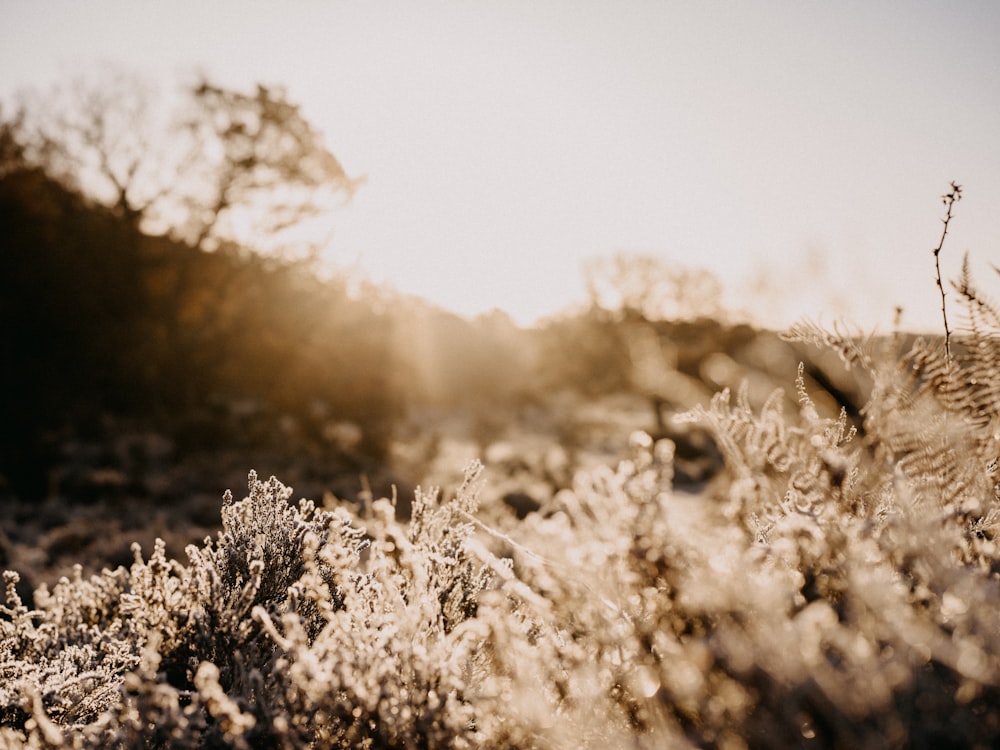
column 942, row 379
column 981, row 343
column 937, row 417
column 982, row 313
column 854, row 349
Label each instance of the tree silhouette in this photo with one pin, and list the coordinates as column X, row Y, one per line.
column 265, row 161
column 219, row 165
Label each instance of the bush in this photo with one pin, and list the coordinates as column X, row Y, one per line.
column 839, row 587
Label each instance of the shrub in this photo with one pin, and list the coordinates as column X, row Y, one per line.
column 838, row 587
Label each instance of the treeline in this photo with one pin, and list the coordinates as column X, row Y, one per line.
column 103, row 321
column 229, row 347
column 154, row 276
column 218, row 348
column 127, row 297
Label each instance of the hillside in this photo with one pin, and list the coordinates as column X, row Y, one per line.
column 649, row 533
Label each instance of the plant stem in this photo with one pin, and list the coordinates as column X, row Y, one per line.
column 949, row 200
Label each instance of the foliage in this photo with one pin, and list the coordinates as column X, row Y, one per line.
column 839, row 586
column 274, row 634
column 107, row 320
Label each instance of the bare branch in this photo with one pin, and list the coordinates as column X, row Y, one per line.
column 949, row 199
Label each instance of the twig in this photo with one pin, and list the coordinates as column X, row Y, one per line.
column 949, row 200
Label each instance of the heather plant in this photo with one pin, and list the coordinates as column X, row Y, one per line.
column 275, row 634
column 771, row 614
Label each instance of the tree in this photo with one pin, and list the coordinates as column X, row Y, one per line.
column 218, row 166
column 266, row 166
column 12, row 156
column 96, row 138
column 635, row 286
column 218, row 169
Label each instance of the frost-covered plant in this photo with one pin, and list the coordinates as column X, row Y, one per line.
column 890, row 536
column 277, row 633
column 838, row 587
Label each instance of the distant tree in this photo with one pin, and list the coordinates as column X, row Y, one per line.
column 96, row 138
column 262, row 163
column 218, row 166
column 636, row 286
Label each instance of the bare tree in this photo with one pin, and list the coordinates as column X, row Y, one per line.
column 219, row 166
column 262, row 163
column 96, row 135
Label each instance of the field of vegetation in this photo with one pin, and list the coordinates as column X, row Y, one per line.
column 631, row 526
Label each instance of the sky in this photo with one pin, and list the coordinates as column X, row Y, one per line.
column 798, row 150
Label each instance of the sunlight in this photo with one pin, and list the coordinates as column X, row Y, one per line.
column 477, row 285
column 504, row 145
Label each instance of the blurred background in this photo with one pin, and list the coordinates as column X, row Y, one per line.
column 356, row 244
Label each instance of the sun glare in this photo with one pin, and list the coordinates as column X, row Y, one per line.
column 506, row 144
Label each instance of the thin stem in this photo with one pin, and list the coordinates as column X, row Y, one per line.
column 949, row 200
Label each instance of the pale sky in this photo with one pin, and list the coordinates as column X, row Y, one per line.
column 801, row 143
